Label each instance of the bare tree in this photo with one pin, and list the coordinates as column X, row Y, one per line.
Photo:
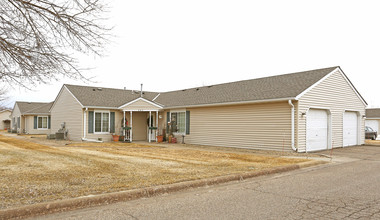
column 3, row 98
column 38, row 37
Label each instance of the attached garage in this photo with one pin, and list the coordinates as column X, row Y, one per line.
column 317, row 130
column 331, row 109
column 350, row 129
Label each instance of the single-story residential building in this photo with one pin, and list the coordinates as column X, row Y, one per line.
column 31, row 117
column 373, row 118
column 304, row 111
column 5, row 119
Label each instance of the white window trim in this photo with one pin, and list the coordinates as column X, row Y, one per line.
column 101, row 124
column 47, row 123
column 179, row 111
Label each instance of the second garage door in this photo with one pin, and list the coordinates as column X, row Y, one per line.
column 350, row 129
column 374, row 124
column 316, row 130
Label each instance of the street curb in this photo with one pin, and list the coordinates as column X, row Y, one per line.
column 104, row 199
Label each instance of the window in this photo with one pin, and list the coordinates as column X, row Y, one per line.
column 102, row 122
column 178, row 120
column 42, row 122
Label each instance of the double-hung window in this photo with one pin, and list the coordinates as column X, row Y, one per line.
column 42, row 122
column 178, row 120
column 102, row 122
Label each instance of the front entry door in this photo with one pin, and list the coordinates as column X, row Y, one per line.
column 139, row 126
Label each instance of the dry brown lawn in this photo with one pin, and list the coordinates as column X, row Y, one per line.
column 31, row 172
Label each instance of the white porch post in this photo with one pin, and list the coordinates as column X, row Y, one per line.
column 156, row 124
column 123, row 125
column 131, row 128
column 84, row 123
column 150, row 125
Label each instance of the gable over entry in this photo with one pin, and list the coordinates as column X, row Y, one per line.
column 140, row 105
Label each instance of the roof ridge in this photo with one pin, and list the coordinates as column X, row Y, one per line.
column 129, row 90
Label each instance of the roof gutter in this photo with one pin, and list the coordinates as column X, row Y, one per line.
column 292, row 119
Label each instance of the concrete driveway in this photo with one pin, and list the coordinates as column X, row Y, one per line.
column 347, row 188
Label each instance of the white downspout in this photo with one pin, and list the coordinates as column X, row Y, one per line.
column 292, row 118
column 84, row 123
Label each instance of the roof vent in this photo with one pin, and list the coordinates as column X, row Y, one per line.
column 100, row 89
column 93, row 89
column 197, row 89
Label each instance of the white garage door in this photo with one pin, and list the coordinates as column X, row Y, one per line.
column 350, row 129
column 316, row 130
column 374, row 124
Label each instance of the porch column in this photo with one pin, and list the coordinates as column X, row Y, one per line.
column 150, row 125
column 84, row 123
column 131, row 128
column 156, row 124
column 123, row 125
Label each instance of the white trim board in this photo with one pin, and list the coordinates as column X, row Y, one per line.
column 328, row 75
column 138, row 99
column 59, row 94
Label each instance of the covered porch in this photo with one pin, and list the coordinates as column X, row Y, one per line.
column 140, row 120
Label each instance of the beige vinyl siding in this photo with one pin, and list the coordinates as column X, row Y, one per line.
column 29, row 126
column 107, row 136
column 17, row 113
column 140, row 105
column 335, row 94
column 257, row 126
column 67, row 109
column 5, row 115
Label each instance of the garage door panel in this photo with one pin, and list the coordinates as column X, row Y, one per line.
column 350, row 129
column 317, row 130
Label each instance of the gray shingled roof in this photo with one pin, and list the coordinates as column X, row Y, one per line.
column 274, row 87
column 106, row 97
column 34, row 107
column 372, row 113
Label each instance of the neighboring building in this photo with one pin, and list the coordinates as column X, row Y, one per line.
column 5, row 119
column 305, row 111
column 373, row 118
column 31, row 117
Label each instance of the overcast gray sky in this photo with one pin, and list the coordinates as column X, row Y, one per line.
column 169, row 45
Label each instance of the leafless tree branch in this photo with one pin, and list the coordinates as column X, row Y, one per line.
column 37, row 37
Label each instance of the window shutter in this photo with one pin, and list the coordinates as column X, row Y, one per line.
column 112, row 122
column 90, row 122
column 49, row 123
column 35, row 122
column 18, row 122
column 167, row 121
column 187, row 122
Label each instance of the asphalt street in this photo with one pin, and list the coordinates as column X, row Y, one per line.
column 346, row 188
